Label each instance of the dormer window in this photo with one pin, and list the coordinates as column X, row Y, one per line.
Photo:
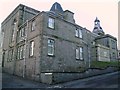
column 51, row 23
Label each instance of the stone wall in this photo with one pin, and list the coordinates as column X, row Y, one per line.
column 64, row 77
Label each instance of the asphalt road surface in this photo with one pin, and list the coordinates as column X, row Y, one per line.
column 110, row 80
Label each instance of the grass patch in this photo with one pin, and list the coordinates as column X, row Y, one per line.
column 103, row 65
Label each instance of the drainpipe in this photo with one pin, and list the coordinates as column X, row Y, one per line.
column 24, row 67
column 15, row 40
column 89, row 55
column 25, row 49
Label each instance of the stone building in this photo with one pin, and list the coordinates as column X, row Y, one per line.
column 1, row 41
column 119, row 55
column 43, row 45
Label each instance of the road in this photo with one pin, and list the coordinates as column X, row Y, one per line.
column 102, row 81
column 110, row 80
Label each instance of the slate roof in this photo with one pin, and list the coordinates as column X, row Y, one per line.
column 56, row 7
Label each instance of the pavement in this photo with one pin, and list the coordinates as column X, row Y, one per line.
column 109, row 80
column 10, row 81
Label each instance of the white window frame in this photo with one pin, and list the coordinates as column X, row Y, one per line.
column 105, row 54
column 31, row 48
column 51, row 22
column 22, row 31
column 33, row 25
column 21, row 52
column 78, row 33
column 51, row 47
column 13, row 32
column 18, row 53
column 79, row 53
column 10, row 55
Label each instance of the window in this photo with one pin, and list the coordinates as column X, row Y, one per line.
column 25, row 30
column 22, row 32
column 113, row 55
column 105, row 54
column 19, row 33
column 31, row 48
column 78, row 33
column 50, row 47
column 13, row 32
column 93, row 43
column 33, row 25
column 79, row 53
column 10, row 55
column 113, row 44
column 20, row 52
column 23, row 51
column 51, row 23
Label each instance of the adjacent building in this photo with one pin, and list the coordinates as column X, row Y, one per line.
column 119, row 30
column 1, row 41
column 37, row 45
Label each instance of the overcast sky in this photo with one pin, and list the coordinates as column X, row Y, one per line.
column 85, row 11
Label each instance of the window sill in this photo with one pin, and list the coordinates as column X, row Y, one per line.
column 51, row 55
column 32, row 30
column 78, row 37
column 31, row 56
column 51, row 28
column 80, row 59
column 20, row 59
